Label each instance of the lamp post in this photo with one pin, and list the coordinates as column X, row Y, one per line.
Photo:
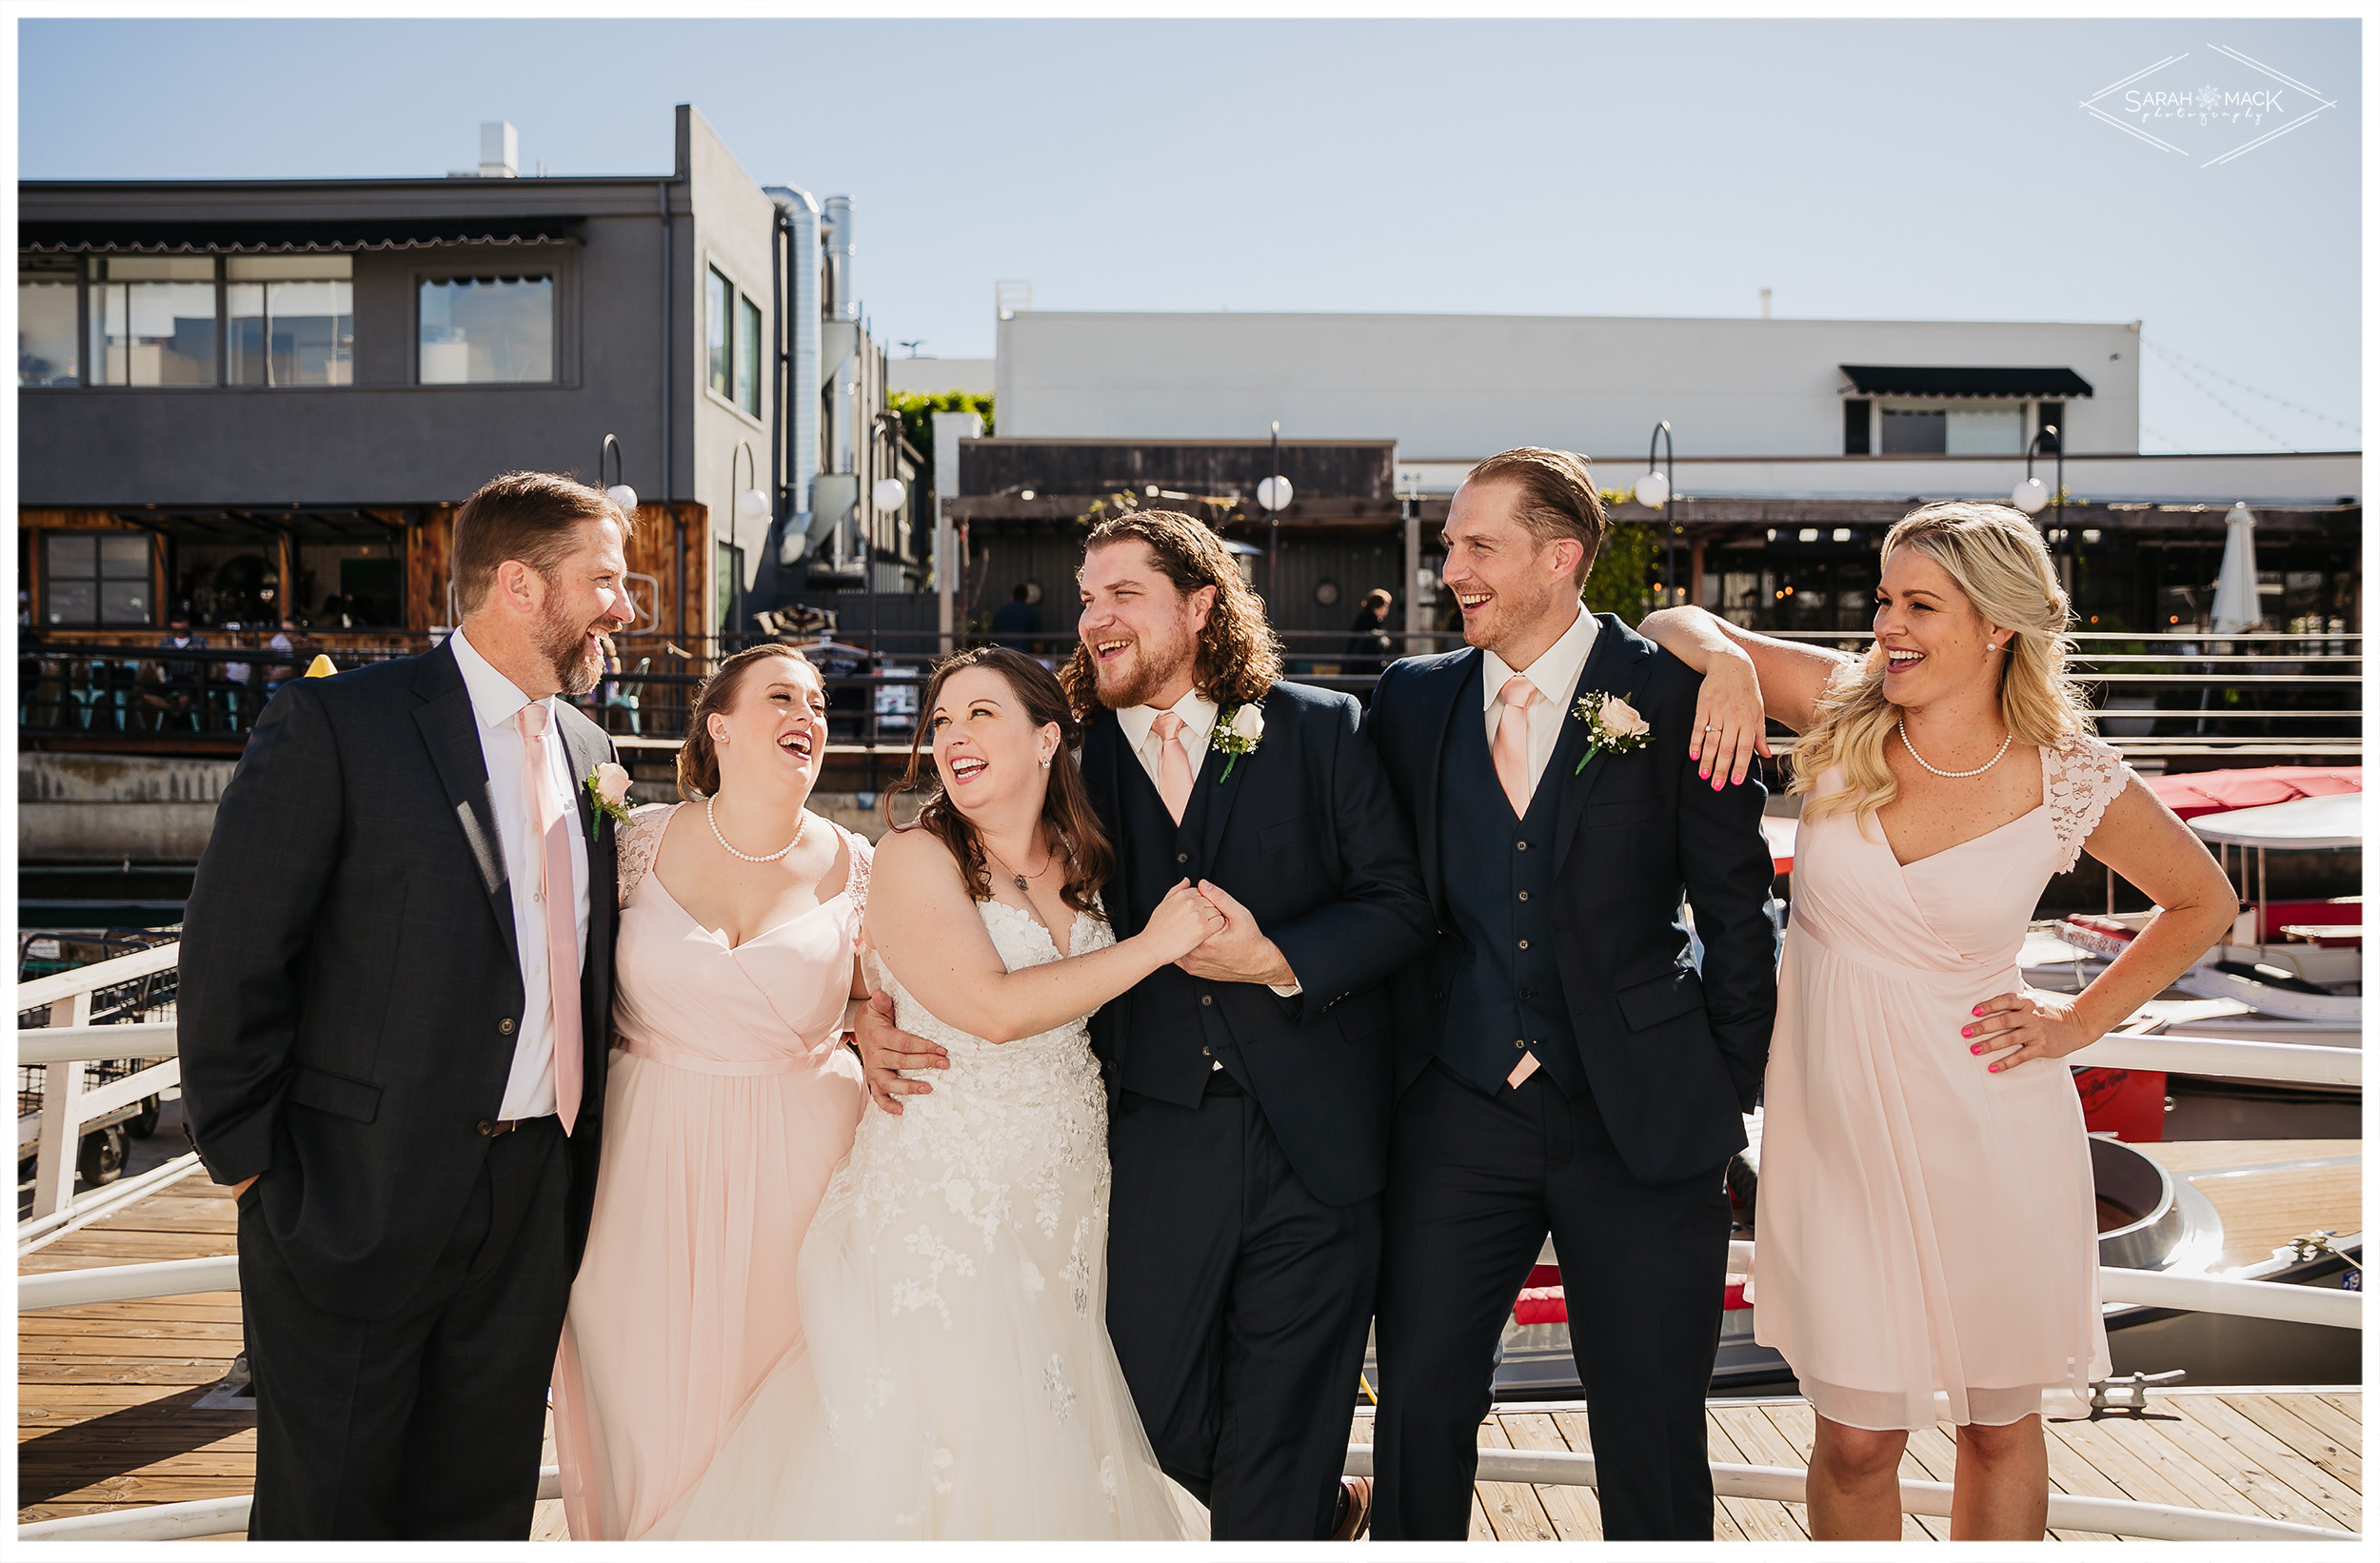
column 1655, row 489
column 1273, row 494
column 2030, row 497
column 618, row 492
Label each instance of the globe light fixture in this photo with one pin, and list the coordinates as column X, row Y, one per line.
column 751, row 504
column 1652, row 490
column 1275, row 493
column 2032, row 496
column 888, row 493
column 619, row 492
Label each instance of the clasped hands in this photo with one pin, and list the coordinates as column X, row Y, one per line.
column 1238, row 952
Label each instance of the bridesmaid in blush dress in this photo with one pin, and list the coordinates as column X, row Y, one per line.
column 730, row 1097
column 1928, row 1243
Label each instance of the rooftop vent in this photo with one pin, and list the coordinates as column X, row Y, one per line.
column 499, row 153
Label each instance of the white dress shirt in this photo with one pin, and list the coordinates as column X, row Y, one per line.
column 497, row 701
column 1197, row 716
column 1555, row 675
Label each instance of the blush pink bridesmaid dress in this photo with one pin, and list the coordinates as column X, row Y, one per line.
column 1927, row 1240
column 728, row 1106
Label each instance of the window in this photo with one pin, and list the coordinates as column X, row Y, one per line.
column 48, row 340
column 152, row 321
column 1855, row 427
column 95, row 578
column 1984, row 431
column 2050, row 415
column 289, row 319
column 748, row 356
column 1915, row 432
column 727, row 587
column 722, row 297
column 486, row 330
column 350, row 585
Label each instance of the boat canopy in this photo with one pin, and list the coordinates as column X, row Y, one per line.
column 2304, row 824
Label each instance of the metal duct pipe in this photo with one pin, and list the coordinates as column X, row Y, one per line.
column 798, row 211
column 842, row 302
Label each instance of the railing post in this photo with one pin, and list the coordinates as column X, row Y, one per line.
column 61, row 1116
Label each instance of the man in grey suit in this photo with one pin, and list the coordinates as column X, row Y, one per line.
column 396, row 990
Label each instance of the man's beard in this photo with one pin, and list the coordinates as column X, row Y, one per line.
column 1143, row 686
column 576, row 665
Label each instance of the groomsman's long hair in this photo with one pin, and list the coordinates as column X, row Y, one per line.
column 1239, row 654
column 1995, row 556
column 1065, row 808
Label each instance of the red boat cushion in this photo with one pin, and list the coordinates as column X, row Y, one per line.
column 1546, row 1305
column 2218, row 791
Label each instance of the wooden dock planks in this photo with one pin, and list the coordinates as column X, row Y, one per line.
column 106, row 1419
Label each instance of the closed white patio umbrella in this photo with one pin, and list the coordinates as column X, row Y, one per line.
column 2236, row 608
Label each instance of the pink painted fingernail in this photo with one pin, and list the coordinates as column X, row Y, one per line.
column 1977, row 1048
column 1978, row 1010
column 1966, row 1031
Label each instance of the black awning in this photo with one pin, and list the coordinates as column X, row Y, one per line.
column 121, row 238
column 1930, row 380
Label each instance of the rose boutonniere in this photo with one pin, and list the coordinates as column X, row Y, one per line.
column 1238, row 731
column 1612, row 723
column 608, row 790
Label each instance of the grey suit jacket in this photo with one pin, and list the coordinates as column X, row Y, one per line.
column 351, row 987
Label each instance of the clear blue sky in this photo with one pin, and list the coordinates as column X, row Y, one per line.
column 1869, row 169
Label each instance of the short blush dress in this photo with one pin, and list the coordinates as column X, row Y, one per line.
column 730, row 1104
column 1927, row 1242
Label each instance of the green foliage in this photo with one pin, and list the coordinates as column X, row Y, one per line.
column 917, row 410
column 1622, row 579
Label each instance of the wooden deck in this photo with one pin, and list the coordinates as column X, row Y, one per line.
column 2291, row 1455
column 107, row 1395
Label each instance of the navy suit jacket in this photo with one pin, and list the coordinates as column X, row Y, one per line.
column 1674, row 1058
column 1305, row 836
column 349, row 987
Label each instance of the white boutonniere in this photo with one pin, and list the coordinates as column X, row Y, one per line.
column 1612, row 723
column 608, row 790
column 1238, row 731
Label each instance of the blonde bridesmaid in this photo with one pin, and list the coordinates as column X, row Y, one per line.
column 1928, row 1244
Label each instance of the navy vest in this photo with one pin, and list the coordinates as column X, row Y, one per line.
column 1506, row 996
column 1173, row 1034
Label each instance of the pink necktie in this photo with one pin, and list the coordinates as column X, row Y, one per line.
column 556, row 893
column 1510, row 747
column 1173, row 765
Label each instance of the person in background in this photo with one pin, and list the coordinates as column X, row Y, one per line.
column 1015, row 621
column 285, row 641
column 1369, row 647
column 179, row 691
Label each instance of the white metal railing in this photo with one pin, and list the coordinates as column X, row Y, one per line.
column 64, row 1048
column 2225, row 1057
column 1766, row 1483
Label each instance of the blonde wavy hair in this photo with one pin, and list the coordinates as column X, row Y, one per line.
column 1993, row 555
column 1238, row 655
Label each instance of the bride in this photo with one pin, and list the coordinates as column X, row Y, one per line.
column 957, row 1380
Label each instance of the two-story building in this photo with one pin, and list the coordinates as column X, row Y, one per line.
column 244, row 401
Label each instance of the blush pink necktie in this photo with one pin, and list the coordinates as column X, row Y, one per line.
column 557, row 894
column 1173, row 765
column 1511, row 746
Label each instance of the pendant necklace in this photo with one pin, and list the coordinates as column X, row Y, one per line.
column 1022, row 885
column 1902, row 728
column 709, row 812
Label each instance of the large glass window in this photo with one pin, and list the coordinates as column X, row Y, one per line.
column 48, row 340
column 486, row 330
column 95, row 578
column 289, row 319
column 153, row 321
column 1985, row 431
column 748, row 356
column 721, row 304
column 350, row 585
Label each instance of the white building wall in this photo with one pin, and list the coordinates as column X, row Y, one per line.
column 1458, row 388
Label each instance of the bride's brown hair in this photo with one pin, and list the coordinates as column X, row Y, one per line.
column 1065, row 808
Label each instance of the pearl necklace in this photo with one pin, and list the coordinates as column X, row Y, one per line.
column 708, row 806
column 1902, row 728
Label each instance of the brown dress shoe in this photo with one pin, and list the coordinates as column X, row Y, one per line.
column 1354, row 1507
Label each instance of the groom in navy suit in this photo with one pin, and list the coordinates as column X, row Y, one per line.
column 1562, row 1065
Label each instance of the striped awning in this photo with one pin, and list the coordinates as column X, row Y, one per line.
column 136, row 238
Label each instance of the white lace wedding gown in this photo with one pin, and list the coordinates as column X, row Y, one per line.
column 956, row 1381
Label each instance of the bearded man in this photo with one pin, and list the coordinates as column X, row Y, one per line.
column 395, row 1006
column 1251, row 1082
